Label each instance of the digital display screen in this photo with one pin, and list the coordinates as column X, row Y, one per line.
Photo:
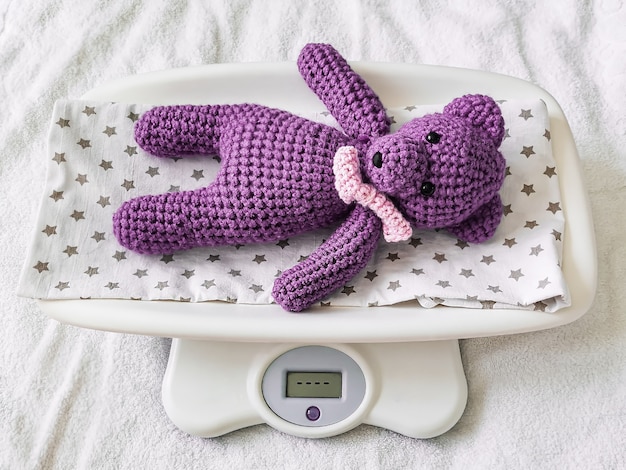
column 313, row 384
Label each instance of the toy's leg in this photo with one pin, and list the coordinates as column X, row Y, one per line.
column 209, row 216
column 482, row 224
column 170, row 222
column 168, row 131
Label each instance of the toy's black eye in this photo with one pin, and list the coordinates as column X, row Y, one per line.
column 377, row 160
column 427, row 189
column 433, row 138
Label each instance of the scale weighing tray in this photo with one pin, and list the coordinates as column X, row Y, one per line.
column 323, row 372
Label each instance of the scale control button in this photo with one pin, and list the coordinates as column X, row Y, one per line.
column 313, row 413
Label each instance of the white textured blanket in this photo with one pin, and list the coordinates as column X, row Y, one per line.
column 74, row 398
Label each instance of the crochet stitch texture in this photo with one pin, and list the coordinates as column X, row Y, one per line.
column 276, row 178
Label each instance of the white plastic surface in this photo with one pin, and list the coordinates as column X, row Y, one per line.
column 280, row 85
column 416, row 389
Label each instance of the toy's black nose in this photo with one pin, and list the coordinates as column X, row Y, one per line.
column 377, row 160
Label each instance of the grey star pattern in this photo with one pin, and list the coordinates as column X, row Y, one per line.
column 70, row 250
column 56, row 195
column 440, row 257
column 527, row 151
column 152, row 171
column 526, row 114
column 488, row 260
column 543, row 283
column 550, row 171
column 41, row 266
column 415, row 242
column 84, row 143
column 131, row 150
column 393, row 285
column 62, row 285
column 348, row 290
column 50, row 230
column 78, row 215
column 109, row 131
column 554, row 207
column 104, row 201
column 91, row 271
column 98, row 236
column 510, row 242
column 462, row 244
column 106, row 165
column 128, row 185
column 428, row 260
column 81, row 179
column 528, row 189
column 531, row 224
column 59, row 158
column 466, row 273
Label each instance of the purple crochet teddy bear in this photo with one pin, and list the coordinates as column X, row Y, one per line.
column 282, row 175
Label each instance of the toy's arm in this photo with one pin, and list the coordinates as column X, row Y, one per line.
column 350, row 100
column 332, row 265
column 482, row 224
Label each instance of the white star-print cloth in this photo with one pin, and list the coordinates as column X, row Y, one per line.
column 93, row 165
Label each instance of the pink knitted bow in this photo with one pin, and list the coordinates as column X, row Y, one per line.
column 351, row 188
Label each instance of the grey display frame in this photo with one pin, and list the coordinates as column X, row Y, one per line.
column 313, row 359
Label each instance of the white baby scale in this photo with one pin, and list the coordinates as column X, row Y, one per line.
column 323, row 372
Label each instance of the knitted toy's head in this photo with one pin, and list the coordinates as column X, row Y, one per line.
column 441, row 168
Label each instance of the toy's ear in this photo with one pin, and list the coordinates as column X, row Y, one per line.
column 482, row 111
